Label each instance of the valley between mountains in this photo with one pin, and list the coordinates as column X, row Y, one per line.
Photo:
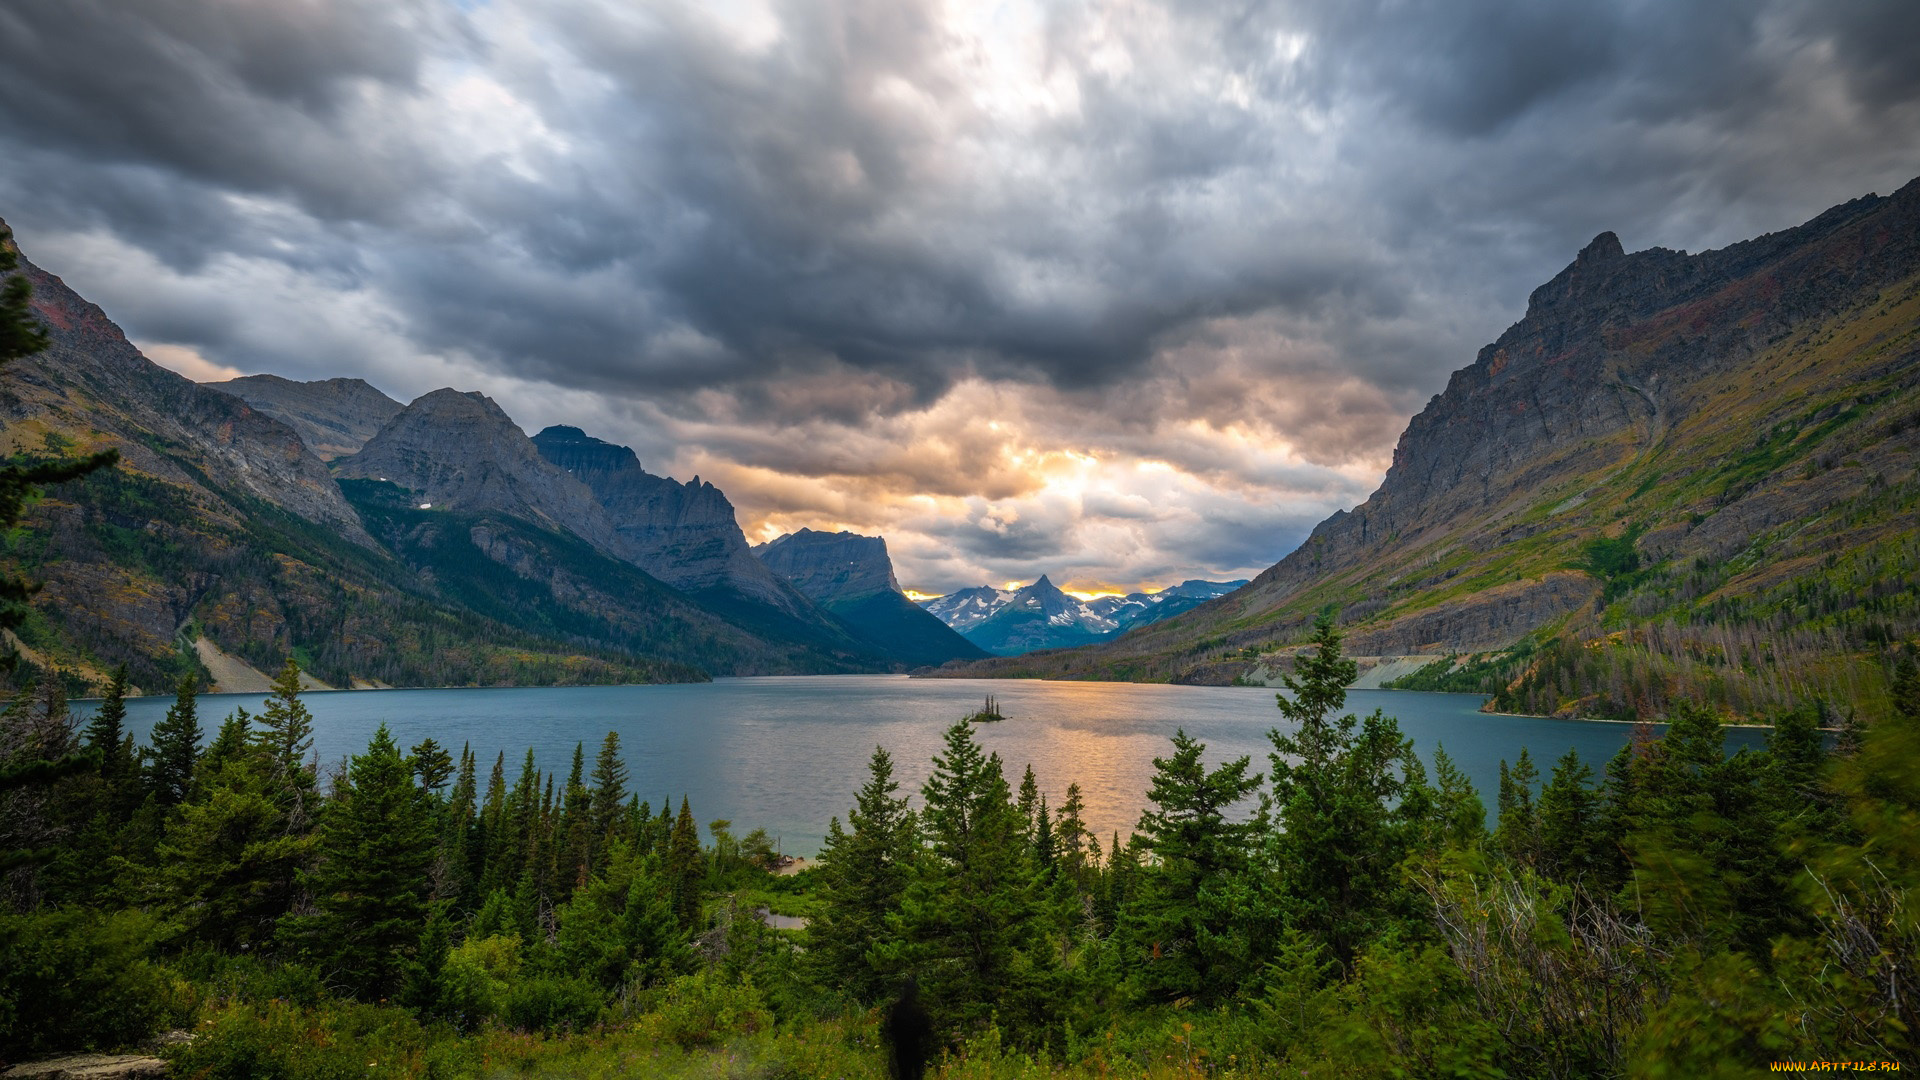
column 1679, row 475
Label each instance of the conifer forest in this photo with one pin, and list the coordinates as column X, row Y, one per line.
column 1341, row 909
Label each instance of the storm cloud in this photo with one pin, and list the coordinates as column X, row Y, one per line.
column 1124, row 292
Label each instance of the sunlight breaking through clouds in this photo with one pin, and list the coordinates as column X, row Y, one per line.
column 1120, row 292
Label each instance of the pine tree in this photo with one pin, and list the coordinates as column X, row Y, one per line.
column 456, row 874
column 1029, row 805
column 619, row 930
column 969, row 916
column 685, row 872
column 431, row 764
column 371, row 886
column 285, row 739
column 1076, row 850
column 1340, row 838
column 1569, row 818
column 176, row 745
column 576, row 827
column 1186, row 922
column 862, row 874
column 106, row 733
column 1460, row 816
column 1518, row 834
column 609, row 793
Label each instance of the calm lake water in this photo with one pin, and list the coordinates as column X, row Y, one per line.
column 786, row 754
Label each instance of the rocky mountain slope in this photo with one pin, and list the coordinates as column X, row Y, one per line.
column 1676, row 474
column 222, row 528
column 684, row 534
column 852, row 576
column 1040, row 616
column 462, row 452
column 334, row 417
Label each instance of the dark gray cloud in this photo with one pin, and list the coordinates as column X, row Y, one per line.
column 815, row 247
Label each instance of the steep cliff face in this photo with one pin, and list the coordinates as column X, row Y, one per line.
column 461, row 452
column 334, row 417
column 684, row 534
column 831, row 567
column 852, row 576
column 1725, row 410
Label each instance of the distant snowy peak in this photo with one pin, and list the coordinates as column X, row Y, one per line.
column 968, row 608
column 1038, row 616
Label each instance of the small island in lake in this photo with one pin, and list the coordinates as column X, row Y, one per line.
column 989, row 713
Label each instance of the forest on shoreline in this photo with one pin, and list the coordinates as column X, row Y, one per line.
column 1677, row 912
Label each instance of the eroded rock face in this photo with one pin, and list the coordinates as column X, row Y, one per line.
column 831, row 567
column 684, row 534
column 334, row 417
column 852, row 576
column 462, row 452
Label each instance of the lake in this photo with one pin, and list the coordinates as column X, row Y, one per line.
column 786, row 754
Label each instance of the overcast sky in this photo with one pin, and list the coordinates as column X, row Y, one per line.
column 1119, row 291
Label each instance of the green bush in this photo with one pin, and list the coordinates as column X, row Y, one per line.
column 278, row 1041
column 82, row 980
column 704, row 1009
column 476, row 979
column 553, row 1003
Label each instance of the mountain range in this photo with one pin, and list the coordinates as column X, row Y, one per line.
column 1677, row 474
column 430, row 543
column 1010, row 622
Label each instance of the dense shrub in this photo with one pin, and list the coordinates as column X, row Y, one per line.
column 82, row 980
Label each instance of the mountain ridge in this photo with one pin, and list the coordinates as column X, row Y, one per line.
column 1705, row 415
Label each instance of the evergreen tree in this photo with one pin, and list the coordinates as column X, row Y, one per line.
column 969, row 916
column 456, row 873
column 1906, row 689
column 1460, row 817
column 1518, row 834
column 1569, row 817
column 1076, row 850
column 1029, row 805
column 609, row 793
column 576, row 827
column 106, row 733
column 1340, row 838
column 685, row 874
column 619, row 930
column 285, row 739
column 229, row 745
column 176, row 745
column 431, row 765
column 228, row 862
column 1186, row 924
column 371, row 886
column 862, row 874
column 1043, row 847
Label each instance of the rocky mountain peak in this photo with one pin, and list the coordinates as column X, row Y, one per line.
column 1604, row 246
column 335, row 417
column 831, row 566
column 461, row 451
